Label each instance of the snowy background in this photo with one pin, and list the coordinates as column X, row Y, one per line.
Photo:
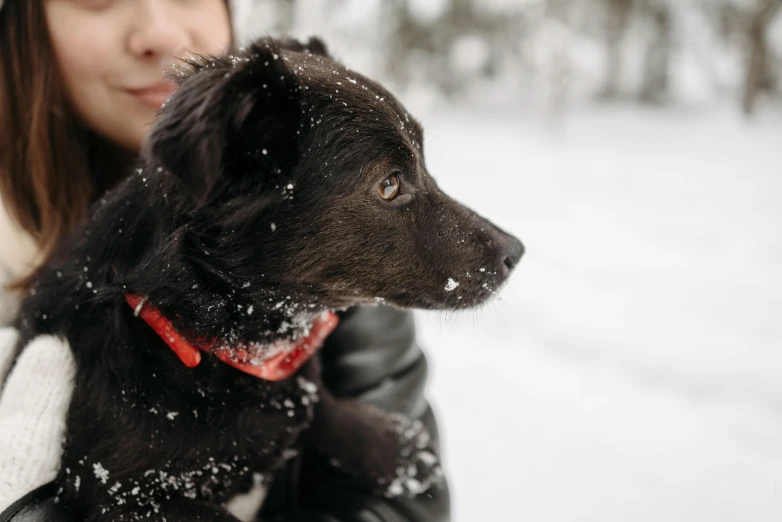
column 632, row 370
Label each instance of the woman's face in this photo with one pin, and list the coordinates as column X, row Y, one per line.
column 113, row 53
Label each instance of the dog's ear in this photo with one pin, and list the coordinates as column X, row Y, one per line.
column 232, row 122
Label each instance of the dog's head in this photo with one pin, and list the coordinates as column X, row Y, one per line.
column 309, row 178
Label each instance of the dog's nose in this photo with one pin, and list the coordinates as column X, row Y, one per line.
column 515, row 249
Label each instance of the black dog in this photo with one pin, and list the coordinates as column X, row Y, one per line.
column 275, row 187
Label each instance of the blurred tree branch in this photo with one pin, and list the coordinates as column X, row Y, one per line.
column 656, row 62
column 617, row 22
column 758, row 70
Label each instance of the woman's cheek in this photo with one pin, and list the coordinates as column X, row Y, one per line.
column 212, row 28
column 84, row 55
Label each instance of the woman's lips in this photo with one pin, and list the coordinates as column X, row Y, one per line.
column 155, row 95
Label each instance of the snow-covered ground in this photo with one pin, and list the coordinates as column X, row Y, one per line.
column 633, row 369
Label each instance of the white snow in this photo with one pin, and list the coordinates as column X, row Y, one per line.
column 632, row 370
column 245, row 506
column 451, row 285
column 100, row 472
column 308, row 386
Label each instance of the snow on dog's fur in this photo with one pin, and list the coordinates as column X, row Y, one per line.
column 275, row 185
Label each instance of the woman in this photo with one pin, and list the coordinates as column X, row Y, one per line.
column 80, row 80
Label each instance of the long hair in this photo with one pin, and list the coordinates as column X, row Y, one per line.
column 51, row 166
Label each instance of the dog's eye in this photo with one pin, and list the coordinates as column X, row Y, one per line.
column 389, row 187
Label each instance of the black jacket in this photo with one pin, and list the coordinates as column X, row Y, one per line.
column 372, row 355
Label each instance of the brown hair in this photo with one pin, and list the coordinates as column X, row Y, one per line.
column 47, row 159
column 51, row 166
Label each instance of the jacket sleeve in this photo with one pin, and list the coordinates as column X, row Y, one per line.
column 36, row 506
column 373, row 356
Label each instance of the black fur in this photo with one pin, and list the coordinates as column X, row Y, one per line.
column 256, row 188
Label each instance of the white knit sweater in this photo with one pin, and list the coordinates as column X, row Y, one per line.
column 36, row 394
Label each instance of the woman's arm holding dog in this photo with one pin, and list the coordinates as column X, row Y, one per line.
column 372, row 356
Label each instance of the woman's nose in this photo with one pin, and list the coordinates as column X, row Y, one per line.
column 156, row 33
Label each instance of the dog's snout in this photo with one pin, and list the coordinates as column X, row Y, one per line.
column 515, row 249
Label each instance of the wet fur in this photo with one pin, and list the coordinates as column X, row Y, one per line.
column 208, row 227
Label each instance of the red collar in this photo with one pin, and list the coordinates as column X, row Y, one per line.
column 286, row 359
